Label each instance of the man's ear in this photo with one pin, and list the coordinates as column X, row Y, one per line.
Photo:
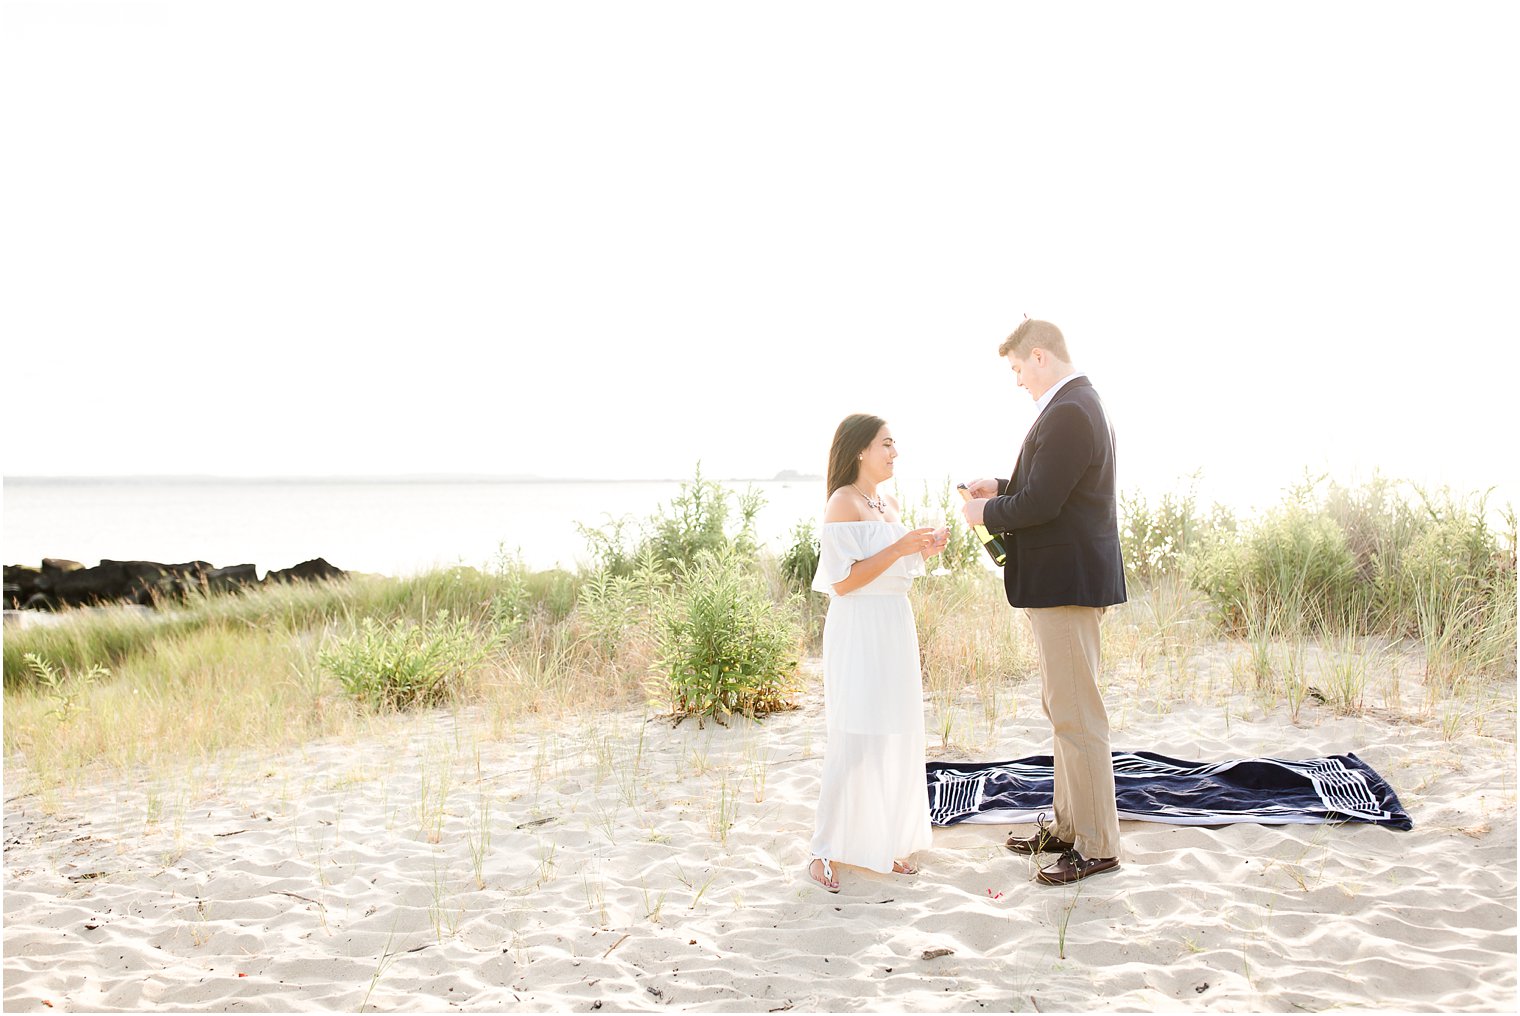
column 1037, row 356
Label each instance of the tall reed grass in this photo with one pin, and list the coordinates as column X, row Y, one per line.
column 282, row 664
column 1357, row 571
column 1383, row 559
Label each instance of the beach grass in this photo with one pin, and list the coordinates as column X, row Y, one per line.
column 548, row 819
column 1323, row 598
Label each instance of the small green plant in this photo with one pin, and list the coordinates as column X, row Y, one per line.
column 400, row 664
column 725, row 646
column 596, row 897
column 511, row 600
column 547, row 864
column 1344, row 674
column 388, row 954
column 698, row 891
column 1065, row 919
column 480, row 842
column 61, row 688
column 628, row 771
column 1295, row 682
column 652, row 904
column 723, row 808
column 442, row 918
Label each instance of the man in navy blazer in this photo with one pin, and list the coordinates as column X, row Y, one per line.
column 1058, row 515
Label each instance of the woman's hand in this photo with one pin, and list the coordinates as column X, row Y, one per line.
column 941, row 541
column 916, row 542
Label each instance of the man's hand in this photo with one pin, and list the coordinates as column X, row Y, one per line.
column 982, row 488
column 974, row 508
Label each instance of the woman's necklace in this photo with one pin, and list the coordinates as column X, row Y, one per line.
column 872, row 502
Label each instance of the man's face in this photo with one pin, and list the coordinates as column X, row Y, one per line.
column 1033, row 372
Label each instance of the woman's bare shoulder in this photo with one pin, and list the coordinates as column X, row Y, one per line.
column 843, row 507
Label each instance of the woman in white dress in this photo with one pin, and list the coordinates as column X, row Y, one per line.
column 873, row 805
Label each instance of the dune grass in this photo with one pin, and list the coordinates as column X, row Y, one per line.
column 231, row 670
column 1323, row 602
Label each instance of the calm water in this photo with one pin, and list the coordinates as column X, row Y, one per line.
column 394, row 528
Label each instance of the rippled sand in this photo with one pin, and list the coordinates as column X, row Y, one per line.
column 633, row 865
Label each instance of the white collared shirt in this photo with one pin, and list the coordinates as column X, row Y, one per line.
column 1050, row 393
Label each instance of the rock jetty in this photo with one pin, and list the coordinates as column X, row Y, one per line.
column 62, row 583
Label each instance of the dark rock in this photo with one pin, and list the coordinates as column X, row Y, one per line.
column 232, row 577
column 20, row 583
column 150, row 581
column 68, row 583
column 53, row 570
column 101, row 584
column 143, row 581
column 195, row 568
column 306, row 571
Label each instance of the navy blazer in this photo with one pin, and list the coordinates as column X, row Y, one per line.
column 1058, row 513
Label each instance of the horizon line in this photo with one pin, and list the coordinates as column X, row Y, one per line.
column 784, row 475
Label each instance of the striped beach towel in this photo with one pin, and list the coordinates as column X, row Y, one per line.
column 1154, row 788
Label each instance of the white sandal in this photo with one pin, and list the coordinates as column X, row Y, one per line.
column 904, row 868
column 828, row 875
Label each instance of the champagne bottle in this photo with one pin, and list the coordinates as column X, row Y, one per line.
column 992, row 543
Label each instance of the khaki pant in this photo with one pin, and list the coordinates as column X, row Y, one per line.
column 1068, row 644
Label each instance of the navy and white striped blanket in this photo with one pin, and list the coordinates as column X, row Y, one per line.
column 1154, row 788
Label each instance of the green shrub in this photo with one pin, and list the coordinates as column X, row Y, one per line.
column 1364, row 560
column 694, row 522
column 724, row 645
column 1156, row 541
column 691, row 523
column 800, row 561
column 400, row 664
column 1457, row 578
column 609, row 606
column 1293, row 560
column 609, row 546
column 553, row 592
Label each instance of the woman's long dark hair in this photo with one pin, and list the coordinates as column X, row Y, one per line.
column 854, row 436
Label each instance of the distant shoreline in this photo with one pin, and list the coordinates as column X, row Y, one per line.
column 417, row 479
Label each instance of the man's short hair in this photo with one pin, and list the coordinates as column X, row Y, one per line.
column 1031, row 334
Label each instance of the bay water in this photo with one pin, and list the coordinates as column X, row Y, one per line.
column 392, row 527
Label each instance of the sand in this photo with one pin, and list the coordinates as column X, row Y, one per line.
column 631, row 864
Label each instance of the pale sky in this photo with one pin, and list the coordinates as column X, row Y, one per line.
column 610, row 239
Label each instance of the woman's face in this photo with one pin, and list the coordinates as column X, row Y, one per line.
column 876, row 461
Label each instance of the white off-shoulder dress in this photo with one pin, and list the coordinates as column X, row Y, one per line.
column 873, row 806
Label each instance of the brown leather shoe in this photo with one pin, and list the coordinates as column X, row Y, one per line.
column 1073, row 867
column 1042, row 842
